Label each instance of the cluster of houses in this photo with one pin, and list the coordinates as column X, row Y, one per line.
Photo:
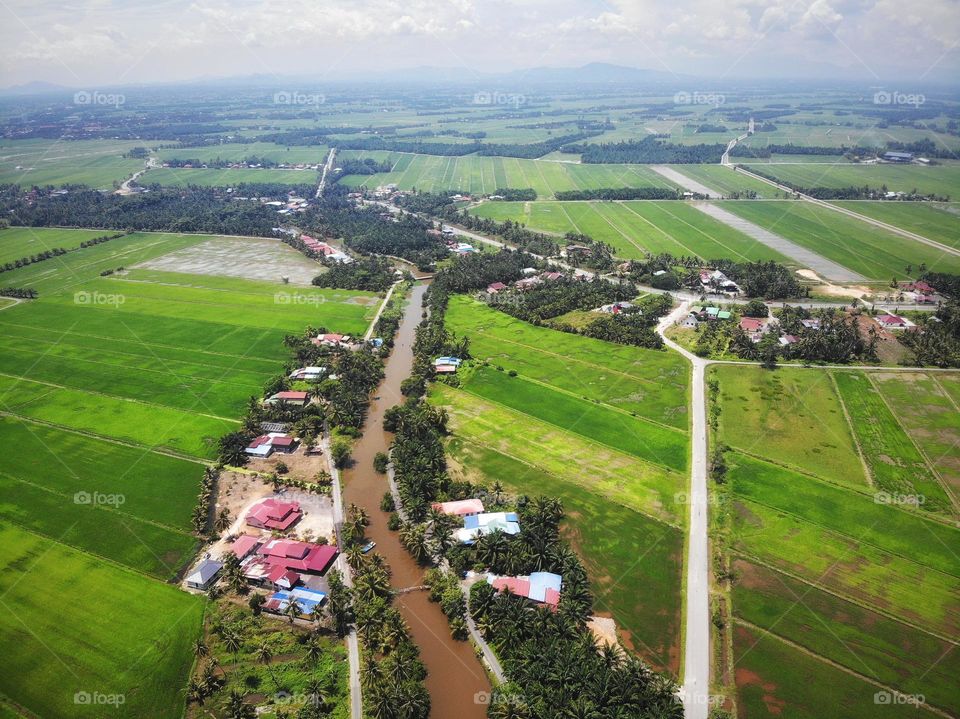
column 446, row 365
column 704, row 314
column 266, row 444
column 328, row 252
column 532, row 277
column 289, row 397
column 920, row 292
column 541, row 587
column 477, row 522
column 334, row 339
column 283, row 565
column 714, row 281
column 615, row 308
column 292, row 204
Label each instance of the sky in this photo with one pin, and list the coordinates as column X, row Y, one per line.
column 103, row 43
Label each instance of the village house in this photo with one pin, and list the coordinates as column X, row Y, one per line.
column 717, row 282
column 307, row 373
column 495, row 287
column 274, row 514
column 892, row 322
column 460, row 507
column 306, row 600
column 542, row 587
column 755, row 327
column 477, row 525
column 265, row 445
column 293, row 398
column 204, row 574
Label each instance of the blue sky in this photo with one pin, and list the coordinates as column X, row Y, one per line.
column 109, row 42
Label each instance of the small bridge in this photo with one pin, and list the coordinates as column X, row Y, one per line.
column 407, row 590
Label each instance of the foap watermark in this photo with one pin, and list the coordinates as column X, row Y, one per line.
column 293, row 97
column 95, row 97
column 713, row 701
column 498, row 698
column 887, row 697
column 909, row 500
column 99, row 699
column 284, row 698
column 698, row 97
column 500, row 299
column 495, row 97
column 894, row 97
column 96, row 499
column 712, row 498
column 297, row 298
column 98, row 298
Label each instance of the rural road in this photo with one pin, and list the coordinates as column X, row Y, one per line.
column 125, row 188
column 326, row 169
column 695, row 691
column 687, row 182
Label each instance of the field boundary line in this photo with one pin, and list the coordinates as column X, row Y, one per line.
column 943, row 485
column 104, row 438
column 832, row 662
column 602, row 403
column 108, row 560
column 149, row 344
column 568, row 358
column 660, row 230
column 135, row 518
column 113, row 396
column 853, row 432
column 606, row 497
column 840, row 533
column 583, row 436
column 845, row 597
column 936, row 519
column 603, row 216
column 944, row 392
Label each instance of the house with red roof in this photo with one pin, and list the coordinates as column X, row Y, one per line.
column 331, row 339
column 274, row 514
column 264, row 445
column 297, row 399
column 460, row 507
column 245, row 545
column 755, row 327
column 282, row 578
column 301, row 557
column 892, row 322
column 495, row 287
column 542, row 587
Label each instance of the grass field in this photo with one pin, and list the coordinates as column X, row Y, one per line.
column 96, row 163
column 942, row 180
column 725, row 181
column 776, row 679
column 873, row 252
column 930, row 416
column 180, row 177
column 790, row 416
column 17, row 242
column 650, row 383
column 236, row 151
column 634, row 562
column 869, row 643
column 939, row 221
column 895, row 463
column 636, row 228
column 484, row 175
column 114, row 632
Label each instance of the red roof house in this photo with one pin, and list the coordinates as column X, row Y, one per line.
column 244, row 545
column 274, row 514
column 495, row 287
column 283, row 578
column 460, row 507
column 298, row 556
column 891, row 321
column 752, row 324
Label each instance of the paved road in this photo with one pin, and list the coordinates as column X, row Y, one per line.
column 326, row 169
column 695, row 691
column 819, row 264
column 685, row 182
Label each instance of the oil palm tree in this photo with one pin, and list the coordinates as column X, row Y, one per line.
column 264, row 654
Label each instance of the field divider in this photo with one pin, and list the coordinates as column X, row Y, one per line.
column 943, row 485
column 478, row 443
column 105, row 438
column 853, row 432
column 839, row 595
column 583, row 437
column 113, row 396
column 836, row 665
column 839, row 533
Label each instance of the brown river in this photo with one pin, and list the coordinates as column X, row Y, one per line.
column 455, row 675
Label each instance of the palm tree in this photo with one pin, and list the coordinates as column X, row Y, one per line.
column 237, row 708
column 264, row 654
column 497, row 492
column 314, row 650
column 233, row 642
column 223, row 520
column 292, row 610
column 316, row 691
column 200, row 648
column 196, row 692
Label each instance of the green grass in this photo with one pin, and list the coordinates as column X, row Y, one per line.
column 935, row 221
column 875, row 253
column 148, row 425
column 112, row 631
column 846, row 564
column 473, row 174
column 775, row 679
column 17, row 242
column 868, row 643
column 634, row 563
column 616, row 429
column 651, row 383
column 939, row 180
column 624, row 478
column 66, row 166
column 179, row 177
column 789, row 416
column 930, row 416
column 840, row 510
column 636, row 228
column 895, row 463
column 236, row 151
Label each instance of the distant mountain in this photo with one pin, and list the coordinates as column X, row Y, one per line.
column 593, row 73
column 36, row 87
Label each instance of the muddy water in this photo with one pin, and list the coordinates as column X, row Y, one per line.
column 455, row 674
